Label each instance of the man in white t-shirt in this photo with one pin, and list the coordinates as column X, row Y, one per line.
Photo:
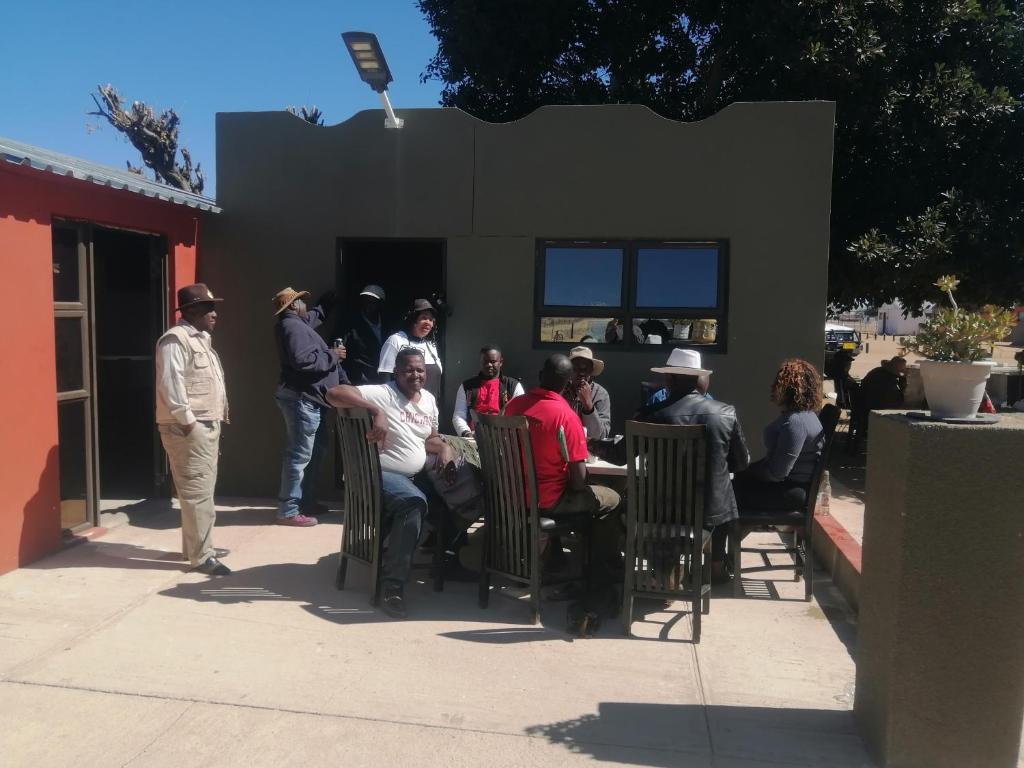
column 411, row 414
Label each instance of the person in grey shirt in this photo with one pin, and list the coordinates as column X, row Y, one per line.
column 588, row 398
column 794, row 441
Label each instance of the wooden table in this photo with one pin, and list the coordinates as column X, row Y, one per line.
column 606, row 469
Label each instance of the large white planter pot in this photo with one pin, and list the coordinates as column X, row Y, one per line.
column 954, row 390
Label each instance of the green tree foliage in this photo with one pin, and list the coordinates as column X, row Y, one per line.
column 929, row 162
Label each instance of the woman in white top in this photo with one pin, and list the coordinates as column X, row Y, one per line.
column 421, row 320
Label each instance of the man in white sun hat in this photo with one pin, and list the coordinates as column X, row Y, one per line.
column 588, row 398
column 687, row 383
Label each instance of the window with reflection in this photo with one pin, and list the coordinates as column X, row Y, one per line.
column 631, row 293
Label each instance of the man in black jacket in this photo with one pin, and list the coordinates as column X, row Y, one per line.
column 364, row 337
column 727, row 451
column 308, row 369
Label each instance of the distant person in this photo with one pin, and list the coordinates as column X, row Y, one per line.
column 589, row 399
column 364, row 336
column 838, row 369
column 794, row 441
column 308, row 369
column 883, row 387
column 419, row 333
column 410, row 412
column 488, row 392
column 727, row 452
column 191, row 404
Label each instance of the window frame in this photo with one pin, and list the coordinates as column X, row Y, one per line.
column 628, row 310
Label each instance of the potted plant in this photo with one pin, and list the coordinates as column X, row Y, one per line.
column 958, row 346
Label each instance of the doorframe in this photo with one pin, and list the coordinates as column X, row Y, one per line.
column 84, row 310
column 158, row 253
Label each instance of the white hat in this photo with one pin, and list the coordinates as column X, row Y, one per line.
column 587, row 354
column 683, row 362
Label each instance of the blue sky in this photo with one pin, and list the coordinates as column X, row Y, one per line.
column 199, row 58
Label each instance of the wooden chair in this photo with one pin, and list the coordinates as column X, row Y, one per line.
column 362, row 538
column 364, row 533
column 801, row 520
column 666, row 544
column 512, row 520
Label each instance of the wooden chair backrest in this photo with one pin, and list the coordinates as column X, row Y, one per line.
column 666, row 473
column 510, row 494
column 363, row 505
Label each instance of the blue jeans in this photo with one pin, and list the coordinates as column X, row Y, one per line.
column 305, row 423
column 405, row 506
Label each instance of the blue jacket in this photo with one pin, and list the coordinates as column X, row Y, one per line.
column 308, row 366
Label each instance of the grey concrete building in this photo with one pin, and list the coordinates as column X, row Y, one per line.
column 547, row 227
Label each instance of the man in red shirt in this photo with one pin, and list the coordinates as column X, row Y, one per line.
column 559, row 446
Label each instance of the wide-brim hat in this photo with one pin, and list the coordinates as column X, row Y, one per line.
column 420, row 305
column 283, row 299
column 197, row 293
column 373, row 290
column 683, row 362
column 587, row 354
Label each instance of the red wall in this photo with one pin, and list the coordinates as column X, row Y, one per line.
column 29, row 200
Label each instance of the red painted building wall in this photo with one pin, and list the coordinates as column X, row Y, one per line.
column 29, row 200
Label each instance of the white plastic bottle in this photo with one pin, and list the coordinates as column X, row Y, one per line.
column 824, row 495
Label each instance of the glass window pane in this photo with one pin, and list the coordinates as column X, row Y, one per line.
column 583, row 277
column 69, row 353
column 65, row 265
column 581, row 330
column 677, row 277
column 653, row 330
column 71, row 433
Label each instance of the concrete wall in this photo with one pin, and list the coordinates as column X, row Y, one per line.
column 757, row 175
column 940, row 656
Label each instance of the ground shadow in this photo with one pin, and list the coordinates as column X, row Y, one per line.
column 679, row 735
column 104, row 554
column 159, row 514
column 312, row 587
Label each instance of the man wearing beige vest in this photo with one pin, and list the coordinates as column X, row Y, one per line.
column 191, row 403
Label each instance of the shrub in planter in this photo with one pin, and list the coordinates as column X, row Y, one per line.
column 955, row 341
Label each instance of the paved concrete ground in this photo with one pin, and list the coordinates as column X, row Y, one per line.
column 112, row 655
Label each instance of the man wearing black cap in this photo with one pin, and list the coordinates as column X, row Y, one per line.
column 364, row 338
column 191, row 403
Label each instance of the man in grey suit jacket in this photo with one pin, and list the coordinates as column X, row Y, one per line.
column 687, row 384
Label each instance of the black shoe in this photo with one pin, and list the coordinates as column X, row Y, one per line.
column 217, row 552
column 394, row 601
column 315, row 510
column 212, row 567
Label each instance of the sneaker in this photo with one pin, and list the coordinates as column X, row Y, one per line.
column 217, row 552
column 300, row 521
column 394, row 600
column 211, row 566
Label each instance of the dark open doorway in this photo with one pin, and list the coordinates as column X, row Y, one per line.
column 405, row 269
column 129, row 317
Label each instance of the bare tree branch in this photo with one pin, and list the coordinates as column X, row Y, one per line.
column 156, row 138
column 309, row 114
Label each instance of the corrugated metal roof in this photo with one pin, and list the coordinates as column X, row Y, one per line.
column 65, row 165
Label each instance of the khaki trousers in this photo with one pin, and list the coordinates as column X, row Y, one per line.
column 193, row 460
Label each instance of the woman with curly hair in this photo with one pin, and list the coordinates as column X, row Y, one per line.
column 793, row 441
